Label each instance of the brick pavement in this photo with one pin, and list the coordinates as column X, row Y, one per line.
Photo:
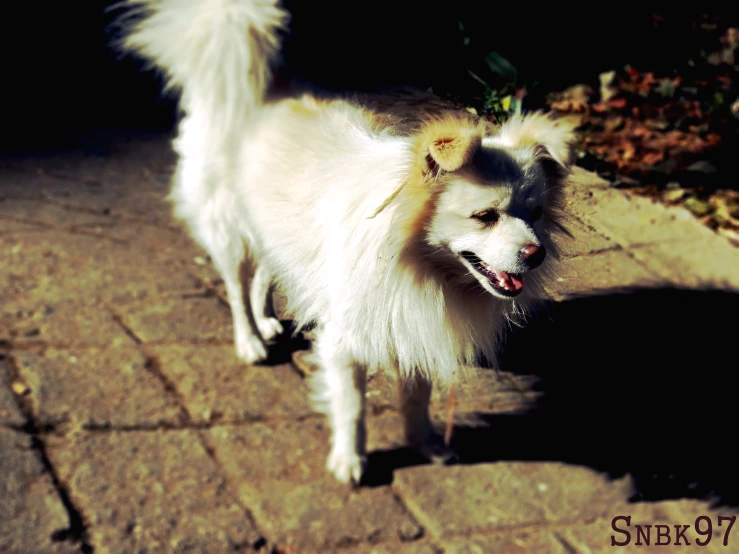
column 128, row 425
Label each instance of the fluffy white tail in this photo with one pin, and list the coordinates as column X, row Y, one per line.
column 217, row 52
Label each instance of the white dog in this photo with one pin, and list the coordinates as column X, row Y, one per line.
column 410, row 242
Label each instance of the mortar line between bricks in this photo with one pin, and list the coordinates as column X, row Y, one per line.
column 78, row 531
column 72, row 230
column 126, row 329
column 153, row 366
column 114, row 216
column 620, row 245
column 33, row 344
column 59, row 175
column 211, row 452
column 569, row 548
column 532, row 526
column 643, row 265
column 591, row 253
column 224, row 302
column 417, row 514
column 118, row 216
column 349, row 546
column 197, row 425
column 31, row 222
column 423, row 534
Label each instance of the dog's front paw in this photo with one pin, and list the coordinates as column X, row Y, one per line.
column 269, row 327
column 346, row 465
column 250, row 349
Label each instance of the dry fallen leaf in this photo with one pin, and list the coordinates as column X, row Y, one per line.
column 20, row 389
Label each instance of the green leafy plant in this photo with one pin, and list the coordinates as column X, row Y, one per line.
column 501, row 92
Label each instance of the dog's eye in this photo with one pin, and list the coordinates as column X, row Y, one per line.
column 536, row 213
column 488, row 217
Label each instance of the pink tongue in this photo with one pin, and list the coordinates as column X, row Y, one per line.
column 508, row 281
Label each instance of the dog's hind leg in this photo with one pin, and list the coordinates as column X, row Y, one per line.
column 259, row 296
column 415, row 397
column 339, row 392
column 227, row 258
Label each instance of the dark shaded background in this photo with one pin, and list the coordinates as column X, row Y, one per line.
column 61, row 80
column 638, row 382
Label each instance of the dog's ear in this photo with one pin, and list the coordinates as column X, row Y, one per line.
column 447, row 144
column 552, row 139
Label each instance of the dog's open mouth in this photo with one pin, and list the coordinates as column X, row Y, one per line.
column 507, row 284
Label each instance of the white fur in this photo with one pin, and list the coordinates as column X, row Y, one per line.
column 295, row 183
column 555, row 136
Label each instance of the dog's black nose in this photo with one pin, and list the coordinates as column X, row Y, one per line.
column 533, row 255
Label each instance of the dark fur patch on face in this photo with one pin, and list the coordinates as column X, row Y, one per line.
column 494, row 167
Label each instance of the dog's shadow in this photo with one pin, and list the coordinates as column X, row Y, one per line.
column 283, row 346
column 643, row 383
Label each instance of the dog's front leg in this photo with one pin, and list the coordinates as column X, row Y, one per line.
column 339, row 392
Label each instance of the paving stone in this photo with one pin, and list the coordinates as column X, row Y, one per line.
column 49, row 214
column 31, row 511
column 117, row 203
column 709, row 263
column 179, row 320
column 150, row 206
column 584, row 240
column 279, row 472
column 382, row 391
column 85, row 266
column 34, row 318
column 583, row 538
column 523, row 542
column 111, row 163
column 24, row 180
column 607, row 271
column 13, row 227
column 156, row 492
column 293, row 451
column 385, row 432
column 175, row 243
column 321, row 516
column 161, row 491
column 394, row 548
column 633, row 220
column 108, row 198
column 216, row 386
column 580, row 179
column 598, row 535
column 107, row 386
column 280, row 450
column 481, row 498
